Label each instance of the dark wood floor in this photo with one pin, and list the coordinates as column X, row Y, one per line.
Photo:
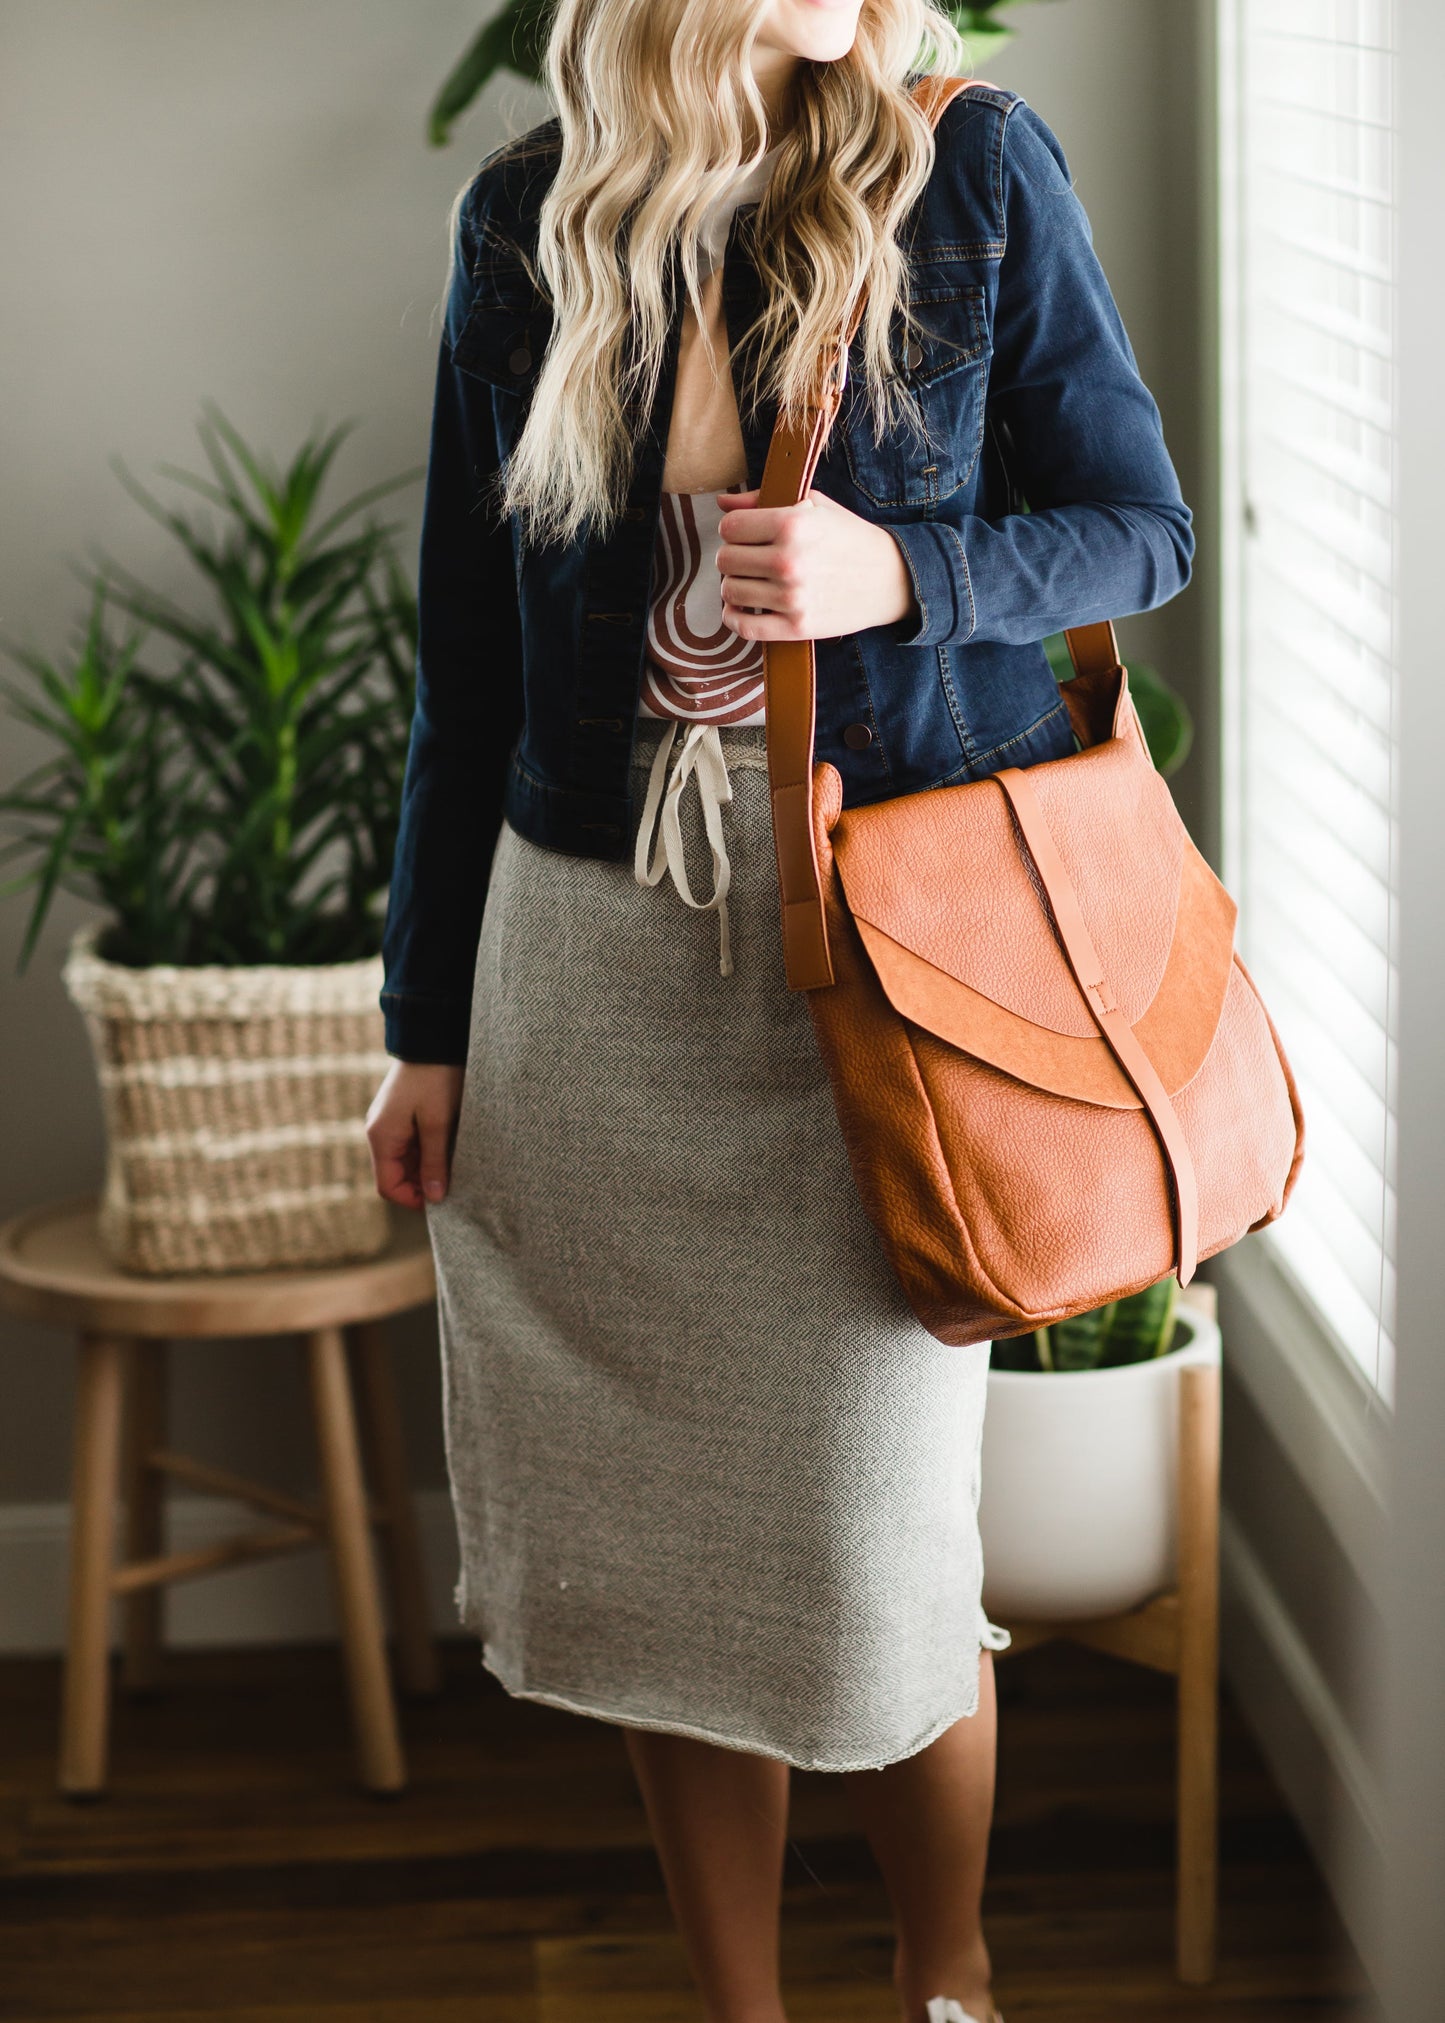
column 235, row 1872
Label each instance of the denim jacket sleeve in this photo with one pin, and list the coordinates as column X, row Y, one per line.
column 468, row 709
column 1107, row 532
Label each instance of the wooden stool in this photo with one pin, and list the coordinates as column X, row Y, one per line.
column 1178, row 1632
column 52, row 1268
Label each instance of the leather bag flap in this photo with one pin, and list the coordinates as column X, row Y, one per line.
column 956, row 925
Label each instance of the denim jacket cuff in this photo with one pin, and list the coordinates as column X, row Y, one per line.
column 942, row 585
column 426, row 1029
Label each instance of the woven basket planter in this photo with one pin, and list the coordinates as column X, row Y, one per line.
column 235, row 1104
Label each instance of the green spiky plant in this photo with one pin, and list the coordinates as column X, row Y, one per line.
column 515, row 39
column 234, row 802
column 1131, row 1330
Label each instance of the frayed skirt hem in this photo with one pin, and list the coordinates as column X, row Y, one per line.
column 991, row 1638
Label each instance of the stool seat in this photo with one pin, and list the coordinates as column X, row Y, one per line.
column 53, row 1268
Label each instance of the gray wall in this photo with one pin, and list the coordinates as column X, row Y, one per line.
column 195, row 200
column 204, row 199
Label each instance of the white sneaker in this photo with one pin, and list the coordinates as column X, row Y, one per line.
column 941, row 2009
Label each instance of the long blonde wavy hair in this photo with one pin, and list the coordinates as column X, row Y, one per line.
column 659, row 110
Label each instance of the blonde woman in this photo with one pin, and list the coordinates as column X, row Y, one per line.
column 713, row 1481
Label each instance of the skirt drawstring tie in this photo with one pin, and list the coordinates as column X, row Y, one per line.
column 699, row 758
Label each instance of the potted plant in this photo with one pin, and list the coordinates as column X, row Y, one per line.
column 1080, row 1468
column 233, row 808
column 514, row 40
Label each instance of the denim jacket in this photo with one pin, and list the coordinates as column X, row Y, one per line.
column 529, row 660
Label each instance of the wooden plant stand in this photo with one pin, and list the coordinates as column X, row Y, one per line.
column 1178, row 1632
column 52, row 1268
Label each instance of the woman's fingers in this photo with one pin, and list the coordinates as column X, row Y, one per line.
column 434, row 1134
column 789, row 573
column 755, row 562
column 394, row 1162
column 409, row 1129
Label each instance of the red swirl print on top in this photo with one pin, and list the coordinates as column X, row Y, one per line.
column 695, row 668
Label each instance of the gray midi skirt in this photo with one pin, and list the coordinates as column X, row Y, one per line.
column 710, row 1474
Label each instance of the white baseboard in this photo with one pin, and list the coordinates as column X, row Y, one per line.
column 1306, row 1740
column 278, row 1601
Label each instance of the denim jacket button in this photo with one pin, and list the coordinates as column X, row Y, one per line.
column 857, row 737
column 913, row 355
column 520, row 359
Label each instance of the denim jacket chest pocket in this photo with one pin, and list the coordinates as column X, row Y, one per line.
column 943, row 362
column 502, row 342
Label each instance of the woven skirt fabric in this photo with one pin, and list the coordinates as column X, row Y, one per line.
column 710, row 1474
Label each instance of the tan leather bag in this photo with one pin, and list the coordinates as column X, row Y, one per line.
column 1055, row 1079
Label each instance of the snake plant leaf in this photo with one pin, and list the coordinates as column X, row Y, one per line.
column 1079, row 1342
column 1134, row 1329
column 1017, row 1352
column 1142, row 1325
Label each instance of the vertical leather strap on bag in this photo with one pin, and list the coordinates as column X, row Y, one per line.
column 1089, row 974
column 790, row 676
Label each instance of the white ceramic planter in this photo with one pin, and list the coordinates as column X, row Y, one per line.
column 1080, row 1483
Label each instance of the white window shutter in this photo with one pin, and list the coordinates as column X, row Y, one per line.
column 1310, row 422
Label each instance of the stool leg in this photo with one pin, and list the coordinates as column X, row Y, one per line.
column 85, row 1700
column 1198, row 1671
column 144, row 1490
column 416, row 1651
column 358, row 1602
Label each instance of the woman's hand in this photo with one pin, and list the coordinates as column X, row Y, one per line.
column 410, row 1128
column 810, row 571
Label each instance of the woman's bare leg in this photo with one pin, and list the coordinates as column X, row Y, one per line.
column 927, row 1819
column 719, row 1820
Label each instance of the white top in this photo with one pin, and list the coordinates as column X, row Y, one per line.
column 746, row 187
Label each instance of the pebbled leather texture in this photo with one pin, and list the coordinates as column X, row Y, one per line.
column 965, row 896
column 1176, row 1029
column 1053, row 1074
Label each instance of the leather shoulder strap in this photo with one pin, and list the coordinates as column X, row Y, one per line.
column 789, row 669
